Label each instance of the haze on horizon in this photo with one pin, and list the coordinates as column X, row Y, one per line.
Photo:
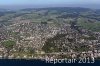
column 49, row 3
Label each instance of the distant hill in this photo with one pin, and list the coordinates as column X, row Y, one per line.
column 85, row 17
column 78, row 9
column 5, row 11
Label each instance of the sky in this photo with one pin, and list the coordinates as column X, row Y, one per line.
column 37, row 2
column 49, row 2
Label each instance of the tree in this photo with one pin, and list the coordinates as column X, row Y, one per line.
column 8, row 44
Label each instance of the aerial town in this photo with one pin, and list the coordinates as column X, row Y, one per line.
column 50, row 33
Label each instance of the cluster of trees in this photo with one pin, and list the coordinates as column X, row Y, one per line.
column 8, row 45
column 51, row 46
